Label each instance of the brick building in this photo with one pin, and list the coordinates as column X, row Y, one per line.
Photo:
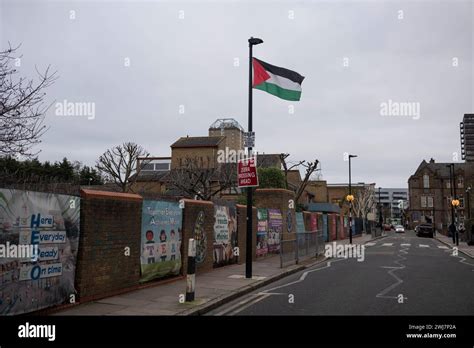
column 231, row 130
column 429, row 189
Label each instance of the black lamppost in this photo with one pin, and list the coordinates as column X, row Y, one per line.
column 452, row 227
column 248, row 253
column 350, row 198
column 380, row 214
column 468, row 205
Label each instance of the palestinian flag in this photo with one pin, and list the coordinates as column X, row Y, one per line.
column 281, row 82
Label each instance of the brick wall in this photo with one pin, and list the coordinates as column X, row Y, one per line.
column 277, row 199
column 242, row 232
column 191, row 211
column 110, row 222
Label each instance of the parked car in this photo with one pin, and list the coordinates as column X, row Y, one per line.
column 424, row 230
column 387, row 227
column 399, row 229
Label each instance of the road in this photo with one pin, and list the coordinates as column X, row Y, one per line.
column 401, row 274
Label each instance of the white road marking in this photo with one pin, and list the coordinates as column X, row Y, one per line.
column 225, row 311
column 387, row 244
column 423, row 246
column 405, row 244
column 399, row 281
column 443, row 247
column 254, row 298
column 463, row 259
column 370, row 244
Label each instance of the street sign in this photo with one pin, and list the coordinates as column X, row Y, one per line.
column 247, row 172
column 249, row 139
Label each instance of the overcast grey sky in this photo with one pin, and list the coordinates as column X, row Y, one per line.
column 184, row 54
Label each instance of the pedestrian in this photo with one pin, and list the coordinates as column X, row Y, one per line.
column 462, row 230
column 452, row 230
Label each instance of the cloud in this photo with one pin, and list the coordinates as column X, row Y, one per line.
column 182, row 56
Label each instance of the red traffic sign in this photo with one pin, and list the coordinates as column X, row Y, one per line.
column 247, row 172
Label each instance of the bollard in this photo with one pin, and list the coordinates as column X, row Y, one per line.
column 191, row 277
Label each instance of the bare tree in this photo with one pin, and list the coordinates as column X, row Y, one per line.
column 22, row 107
column 286, row 169
column 364, row 201
column 119, row 164
column 197, row 178
column 311, row 167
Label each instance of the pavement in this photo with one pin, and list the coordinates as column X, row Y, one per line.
column 400, row 275
column 462, row 247
column 213, row 289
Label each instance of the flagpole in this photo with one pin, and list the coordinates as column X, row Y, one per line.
column 248, row 247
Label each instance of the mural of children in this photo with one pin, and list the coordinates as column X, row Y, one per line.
column 173, row 244
column 163, row 245
column 150, row 249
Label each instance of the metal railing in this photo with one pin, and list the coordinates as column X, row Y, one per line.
column 303, row 246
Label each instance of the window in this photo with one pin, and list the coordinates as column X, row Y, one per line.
column 148, row 166
column 460, row 182
column 448, row 184
column 162, row 166
column 423, row 201
column 430, row 202
column 426, row 181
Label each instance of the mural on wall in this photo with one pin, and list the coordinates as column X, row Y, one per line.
column 299, row 223
column 200, row 237
column 333, row 226
column 289, row 221
column 48, row 226
column 161, row 239
column 225, row 235
column 262, row 232
column 275, row 226
column 313, row 222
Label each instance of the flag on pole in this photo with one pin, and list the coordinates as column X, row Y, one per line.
column 281, row 82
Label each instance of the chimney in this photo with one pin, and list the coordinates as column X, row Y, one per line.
column 432, row 160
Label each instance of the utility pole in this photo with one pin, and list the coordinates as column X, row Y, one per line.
column 248, row 246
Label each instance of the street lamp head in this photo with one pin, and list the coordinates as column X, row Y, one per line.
column 352, row 156
column 255, row 41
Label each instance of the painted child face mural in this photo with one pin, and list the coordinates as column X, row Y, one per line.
column 149, row 235
column 162, row 236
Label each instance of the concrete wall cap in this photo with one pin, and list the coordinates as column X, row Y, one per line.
column 196, row 201
column 270, row 190
column 110, row 195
